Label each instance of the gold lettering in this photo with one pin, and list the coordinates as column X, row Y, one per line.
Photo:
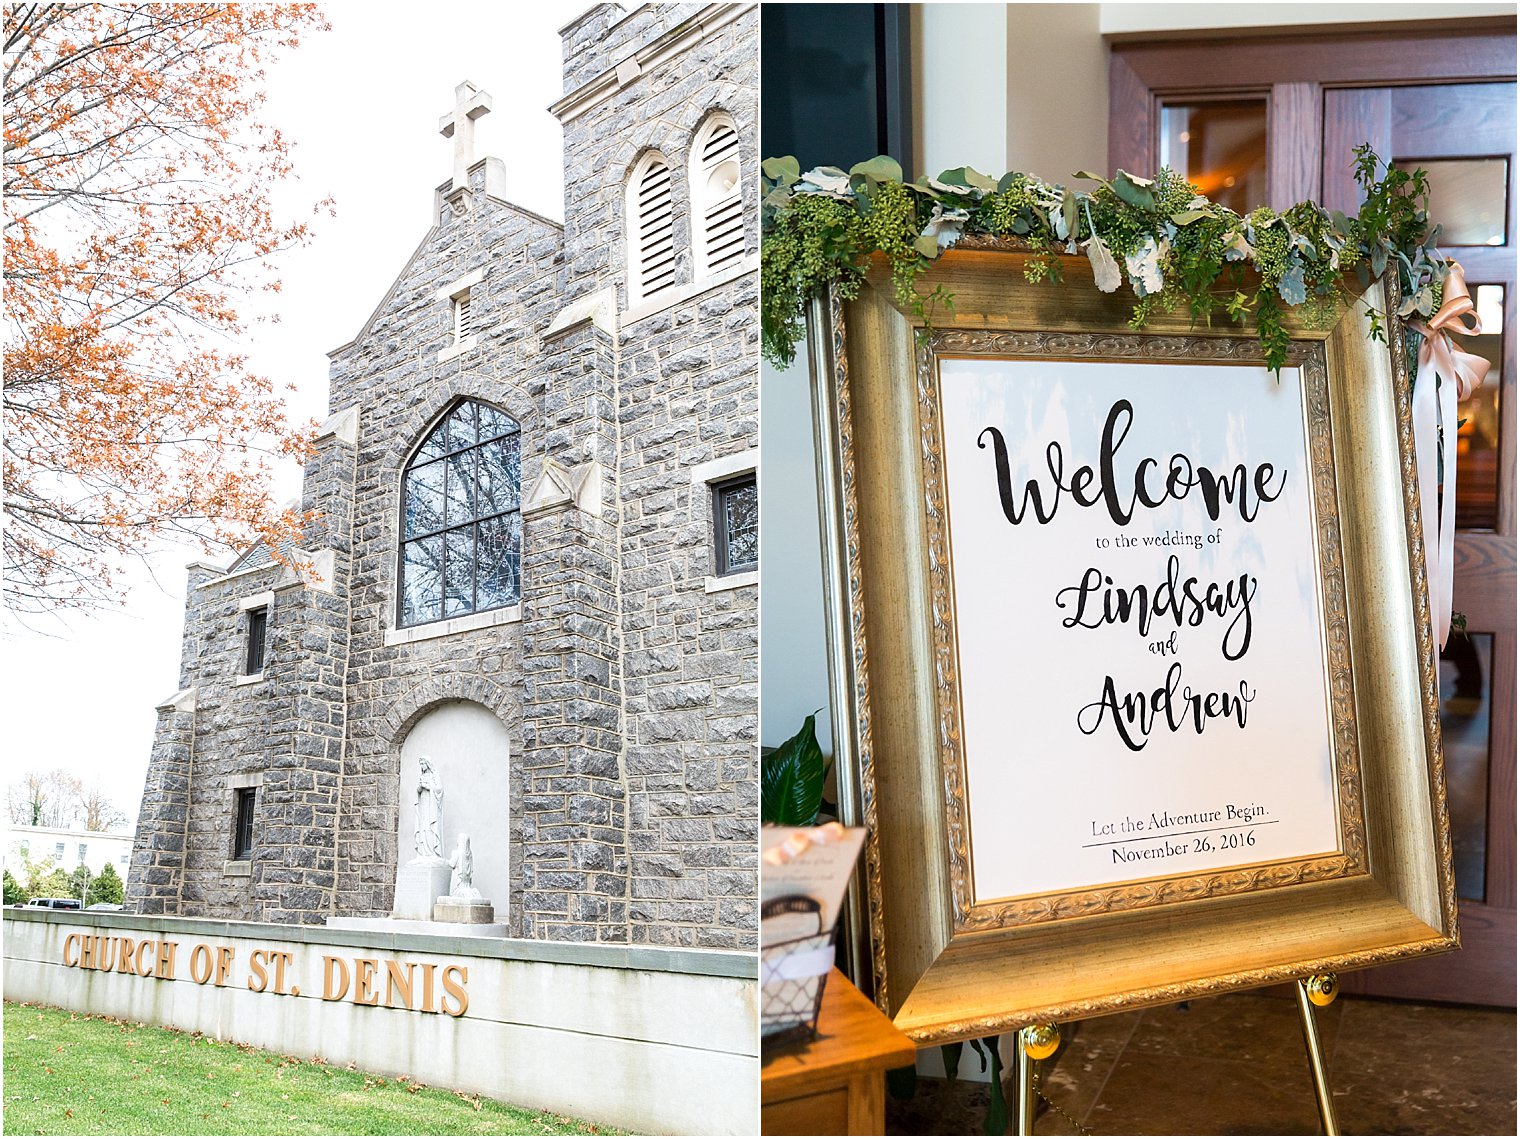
column 124, row 959
column 144, row 947
column 398, row 978
column 334, row 969
column 364, row 977
column 281, row 959
column 87, row 954
column 200, row 963
column 164, row 968
column 259, row 978
column 428, row 969
column 106, row 961
column 71, row 942
column 223, row 964
column 456, row 991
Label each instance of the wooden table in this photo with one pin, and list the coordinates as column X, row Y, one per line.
column 835, row 1083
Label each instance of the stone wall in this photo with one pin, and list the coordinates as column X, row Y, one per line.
column 687, row 395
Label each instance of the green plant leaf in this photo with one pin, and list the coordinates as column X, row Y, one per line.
column 791, row 780
column 966, row 176
column 1091, row 177
column 1188, row 217
column 1136, row 191
column 1069, row 212
column 881, row 168
column 783, row 169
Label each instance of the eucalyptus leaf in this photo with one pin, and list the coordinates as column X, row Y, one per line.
column 791, row 780
column 966, row 176
column 882, row 168
column 1091, row 177
column 1379, row 256
column 784, row 169
column 1136, row 191
column 1188, row 217
column 927, row 246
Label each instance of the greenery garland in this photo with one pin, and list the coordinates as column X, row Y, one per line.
column 1177, row 248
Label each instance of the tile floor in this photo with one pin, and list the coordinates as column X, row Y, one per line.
column 1235, row 1065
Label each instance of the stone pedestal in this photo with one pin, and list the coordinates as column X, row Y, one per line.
column 469, row 911
column 419, row 882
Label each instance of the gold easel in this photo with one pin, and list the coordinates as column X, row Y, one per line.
column 1040, row 1041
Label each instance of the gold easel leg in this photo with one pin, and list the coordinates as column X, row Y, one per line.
column 1035, row 1043
column 1319, row 990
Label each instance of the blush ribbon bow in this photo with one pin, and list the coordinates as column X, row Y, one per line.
column 1445, row 375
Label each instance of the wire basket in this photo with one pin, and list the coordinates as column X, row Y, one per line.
column 792, row 976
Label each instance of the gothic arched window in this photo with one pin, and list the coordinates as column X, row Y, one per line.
column 461, row 520
column 651, row 229
column 717, row 224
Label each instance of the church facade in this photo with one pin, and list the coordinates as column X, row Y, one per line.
column 529, row 606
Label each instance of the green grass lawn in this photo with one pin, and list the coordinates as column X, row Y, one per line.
column 69, row 1073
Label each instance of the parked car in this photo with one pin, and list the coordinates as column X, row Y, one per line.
column 53, row 904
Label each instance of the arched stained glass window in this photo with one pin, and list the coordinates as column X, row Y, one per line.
column 461, row 520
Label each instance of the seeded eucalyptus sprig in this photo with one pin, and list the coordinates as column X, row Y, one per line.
column 1176, row 248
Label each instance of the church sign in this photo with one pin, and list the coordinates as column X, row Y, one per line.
column 1143, row 689
column 426, row 986
column 521, row 1021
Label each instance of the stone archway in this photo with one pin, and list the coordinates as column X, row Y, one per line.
column 470, row 751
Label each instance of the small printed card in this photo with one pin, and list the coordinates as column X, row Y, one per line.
column 803, row 875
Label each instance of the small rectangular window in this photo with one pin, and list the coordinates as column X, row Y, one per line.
column 462, row 326
column 82, row 848
column 123, row 859
column 242, row 833
column 58, row 852
column 736, row 525
column 258, row 629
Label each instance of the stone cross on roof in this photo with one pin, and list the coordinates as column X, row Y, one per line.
column 459, row 124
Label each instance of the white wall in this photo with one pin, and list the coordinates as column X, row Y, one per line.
column 962, row 122
column 794, row 679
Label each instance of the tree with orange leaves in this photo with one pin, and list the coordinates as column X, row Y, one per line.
column 136, row 217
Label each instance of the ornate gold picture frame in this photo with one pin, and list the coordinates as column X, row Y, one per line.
column 985, row 909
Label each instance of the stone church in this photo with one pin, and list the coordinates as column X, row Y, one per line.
column 535, row 566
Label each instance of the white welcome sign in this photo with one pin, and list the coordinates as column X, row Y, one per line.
column 1139, row 629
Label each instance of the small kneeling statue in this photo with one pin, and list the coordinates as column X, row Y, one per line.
column 462, row 884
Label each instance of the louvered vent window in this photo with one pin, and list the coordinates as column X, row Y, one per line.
column 651, row 245
column 462, row 326
column 719, row 230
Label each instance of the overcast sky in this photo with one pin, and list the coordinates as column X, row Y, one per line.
column 361, row 104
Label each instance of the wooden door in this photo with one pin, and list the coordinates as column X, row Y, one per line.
column 1444, row 100
column 1463, row 135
